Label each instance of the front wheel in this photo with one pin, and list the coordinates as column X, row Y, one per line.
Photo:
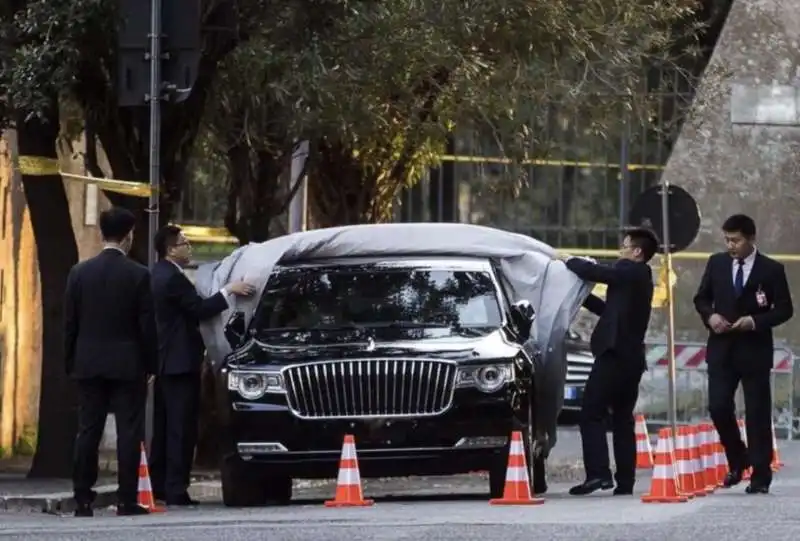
column 244, row 486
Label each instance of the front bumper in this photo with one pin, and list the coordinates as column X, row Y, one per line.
column 470, row 436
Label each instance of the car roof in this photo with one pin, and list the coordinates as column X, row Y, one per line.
column 389, row 261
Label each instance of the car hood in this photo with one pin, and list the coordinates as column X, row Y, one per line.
column 527, row 267
column 308, row 346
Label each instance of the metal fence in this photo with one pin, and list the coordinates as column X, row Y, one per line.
column 692, row 387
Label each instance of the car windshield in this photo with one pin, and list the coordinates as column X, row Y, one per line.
column 374, row 296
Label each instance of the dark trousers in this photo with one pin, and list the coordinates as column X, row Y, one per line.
column 176, row 407
column 157, row 459
column 611, row 390
column 722, row 385
column 96, row 399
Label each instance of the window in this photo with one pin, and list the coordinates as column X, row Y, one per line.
column 375, row 296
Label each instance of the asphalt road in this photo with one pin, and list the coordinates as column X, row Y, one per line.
column 445, row 509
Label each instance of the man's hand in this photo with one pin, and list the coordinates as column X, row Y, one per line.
column 745, row 323
column 718, row 323
column 241, row 289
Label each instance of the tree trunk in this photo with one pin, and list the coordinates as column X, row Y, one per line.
column 57, row 252
column 344, row 192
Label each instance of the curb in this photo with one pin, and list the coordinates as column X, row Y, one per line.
column 206, row 486
column 56, row 503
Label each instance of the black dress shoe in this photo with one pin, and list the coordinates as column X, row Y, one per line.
column 83, row 510
column 757, row 488
column 733, row 478
column 128, row 510
column 591, row 485
column 182, row 500
column 623, row 491
column 539, row 477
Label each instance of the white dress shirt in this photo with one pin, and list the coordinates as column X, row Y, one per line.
column 747, row 267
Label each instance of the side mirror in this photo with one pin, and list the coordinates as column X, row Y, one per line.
column 524, row 309
column 522, row 316
column 235, row 329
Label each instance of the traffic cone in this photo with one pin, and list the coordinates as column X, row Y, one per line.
column 684, row 464
column 348, row 485
column 697, row 462
column 743, row 434
column 707, row 456
column 720, row 460
column 517, row 489
column 664, row 484
column 145, row 497
column 776, row 458
column 644, row 452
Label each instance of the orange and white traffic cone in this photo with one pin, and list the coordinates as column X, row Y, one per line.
column 720, row 460
column 743, row 434
column 776, row 458
column 517, row 489
column 707, row 456
column 697, row 462
column 348, row 485
column 644, row 452
column 145, row 497
column 684, row 464
column 664, row 484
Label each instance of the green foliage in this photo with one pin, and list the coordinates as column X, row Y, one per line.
column 376, row 86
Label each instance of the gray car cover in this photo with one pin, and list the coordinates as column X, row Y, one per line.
column 529, row 273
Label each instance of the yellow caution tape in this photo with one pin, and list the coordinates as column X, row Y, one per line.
column 125, row 187
column 37, row 165
column 659, row 291
column 552, row 163
column 786, row 258
column 213, row 235
column 42, row 166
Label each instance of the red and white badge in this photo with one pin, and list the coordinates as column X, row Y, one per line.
column 761, row 298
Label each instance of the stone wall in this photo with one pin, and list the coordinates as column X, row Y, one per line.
column 740, row 149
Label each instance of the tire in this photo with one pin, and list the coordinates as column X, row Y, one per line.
column 278, row 490
column 536, row 473
column 245, row 487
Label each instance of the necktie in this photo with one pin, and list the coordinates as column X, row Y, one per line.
column 738, row 282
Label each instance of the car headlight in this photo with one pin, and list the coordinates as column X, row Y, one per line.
column 254, row 385
column 487, row 378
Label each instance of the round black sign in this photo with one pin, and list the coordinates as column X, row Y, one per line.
column 684, row 216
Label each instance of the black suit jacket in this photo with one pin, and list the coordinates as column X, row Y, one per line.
column 179, row 310
column 625, row 314
column 109, row 324
column 745, row 350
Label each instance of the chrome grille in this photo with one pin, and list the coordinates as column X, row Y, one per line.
column 363, row 388
column 578, row 367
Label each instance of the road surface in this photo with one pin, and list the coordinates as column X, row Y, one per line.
column 445, row 509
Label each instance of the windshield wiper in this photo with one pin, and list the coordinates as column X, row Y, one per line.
column 409, row 325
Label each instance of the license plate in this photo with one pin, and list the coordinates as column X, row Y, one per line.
column 570, row 393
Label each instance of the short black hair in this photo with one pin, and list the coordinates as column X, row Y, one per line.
column 740, row 223
column 116, row 223
column 644, row 239
column 166, row 238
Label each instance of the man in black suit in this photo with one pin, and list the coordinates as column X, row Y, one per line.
column 179, row 309
column 619, row 360
column 742, row 296
column 110, row 349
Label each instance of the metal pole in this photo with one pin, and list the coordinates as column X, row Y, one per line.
column 673, row 404
column 624, row 177
column 155, row 163
column 299, row 205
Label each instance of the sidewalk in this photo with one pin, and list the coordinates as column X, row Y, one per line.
column 17, row 492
